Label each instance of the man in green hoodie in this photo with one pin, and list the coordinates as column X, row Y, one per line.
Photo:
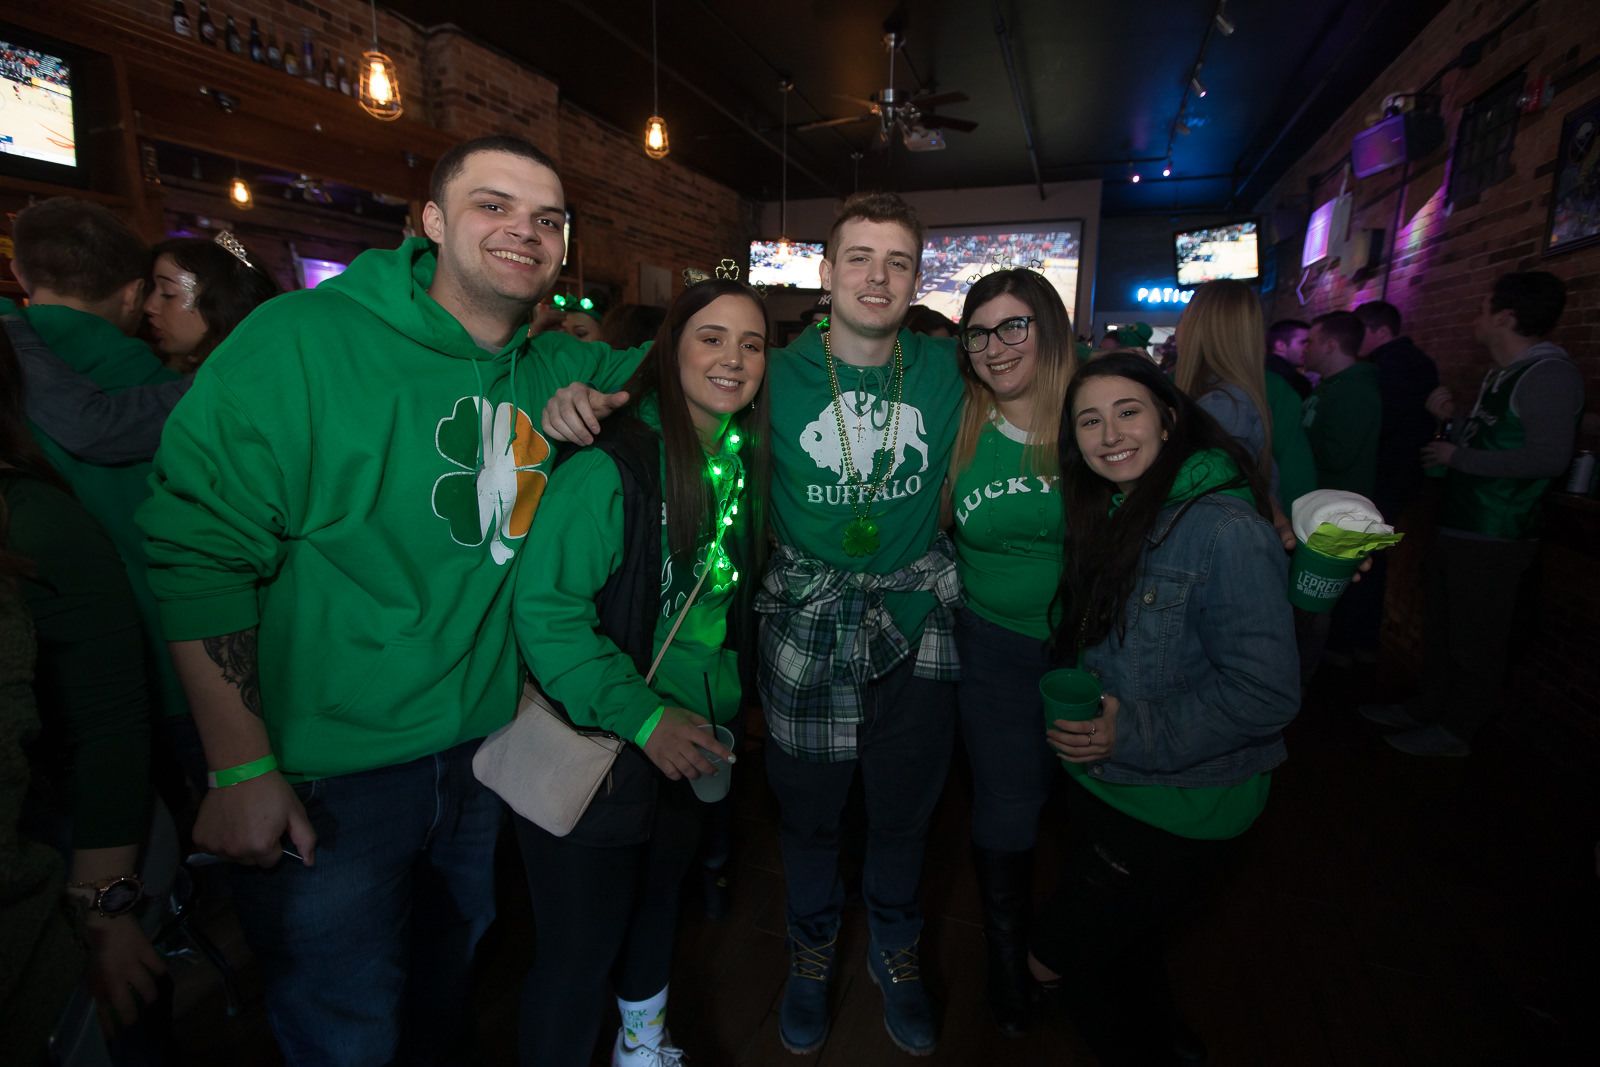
column 337, row 504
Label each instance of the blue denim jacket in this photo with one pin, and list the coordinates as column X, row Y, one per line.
column 1207, row 672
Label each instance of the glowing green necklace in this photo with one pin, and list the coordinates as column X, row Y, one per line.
column 726, row 471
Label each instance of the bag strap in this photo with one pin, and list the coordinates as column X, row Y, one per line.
column 684, row 614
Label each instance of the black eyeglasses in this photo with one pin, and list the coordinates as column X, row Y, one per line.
column 975, row 339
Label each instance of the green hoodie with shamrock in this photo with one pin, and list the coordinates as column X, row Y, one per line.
column 821, row 476
column 353, row 475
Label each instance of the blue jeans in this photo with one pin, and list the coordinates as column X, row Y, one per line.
column 1002, row 726
column 903, row 757
column 368, row 954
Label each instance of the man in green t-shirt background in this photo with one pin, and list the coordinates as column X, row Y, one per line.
column 1342, row 415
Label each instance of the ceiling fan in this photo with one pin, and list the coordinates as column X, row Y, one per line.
column 912, row 114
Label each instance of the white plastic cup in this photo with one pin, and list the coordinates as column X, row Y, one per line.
column 711, row 788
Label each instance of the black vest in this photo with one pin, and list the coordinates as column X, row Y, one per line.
column 627, row 605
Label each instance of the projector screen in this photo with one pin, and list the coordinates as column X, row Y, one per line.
column 1215, row 252
column 953, row 257
column 796, row 267
column 36, row 120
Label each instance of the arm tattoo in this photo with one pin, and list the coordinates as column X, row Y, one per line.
column 235, row 653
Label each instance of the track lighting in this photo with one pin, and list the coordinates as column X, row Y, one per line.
column 1199, row 89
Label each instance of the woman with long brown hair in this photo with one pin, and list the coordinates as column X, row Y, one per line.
column 644, row 550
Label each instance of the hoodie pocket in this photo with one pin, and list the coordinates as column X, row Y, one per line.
column 406, row 685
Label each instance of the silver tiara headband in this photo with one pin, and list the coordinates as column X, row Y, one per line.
column 231, row 243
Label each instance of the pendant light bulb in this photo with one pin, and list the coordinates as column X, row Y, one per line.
column 656, row 142
column 239, row 194
column 379, row 92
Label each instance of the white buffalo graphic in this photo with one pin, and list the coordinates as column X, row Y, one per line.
column 820, row 439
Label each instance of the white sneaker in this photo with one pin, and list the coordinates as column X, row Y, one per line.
column 666, row 1055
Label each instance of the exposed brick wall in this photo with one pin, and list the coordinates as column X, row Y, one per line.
column 1446, row 259
column 631, row 210
column 473, row 91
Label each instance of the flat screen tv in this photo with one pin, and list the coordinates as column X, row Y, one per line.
column 953, row 257
column 40, row 108
column 1318, row 230
column 1215, row 252
column 797, row 266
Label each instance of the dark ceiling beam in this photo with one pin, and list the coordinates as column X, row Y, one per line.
column 1003, row 35
column 693, row 87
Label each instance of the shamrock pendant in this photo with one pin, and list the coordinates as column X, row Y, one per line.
column 861, row 537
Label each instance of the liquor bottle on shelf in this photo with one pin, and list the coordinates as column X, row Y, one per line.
column 330, row 80
column 208, row 29
column 180, row 20
column 232, row 39
column 344, row 77
column 308, row 60
column 291, row 58
column 258, row 51
column 274, row 53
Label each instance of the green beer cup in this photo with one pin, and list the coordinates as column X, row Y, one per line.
column 1069, row 694
column 1317, row 581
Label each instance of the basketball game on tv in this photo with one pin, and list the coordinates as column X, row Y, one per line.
column 36, row 106
column 790, row 265
column 955, row 257
column 1216, row 252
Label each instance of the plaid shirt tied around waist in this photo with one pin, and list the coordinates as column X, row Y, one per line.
column 826, row 635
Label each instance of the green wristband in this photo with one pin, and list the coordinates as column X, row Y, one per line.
column 242, row 773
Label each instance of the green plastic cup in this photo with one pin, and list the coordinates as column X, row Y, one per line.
column 1317, row 581
column 1069, row 694
column 712, row 788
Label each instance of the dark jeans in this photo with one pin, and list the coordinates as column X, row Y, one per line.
column 368, row 954
column 1126, row 891
column 1002, row 726
column 1472, row 599
column 605, row 920
column 903, row 756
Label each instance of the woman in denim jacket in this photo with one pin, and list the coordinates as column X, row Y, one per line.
column 1174, row 587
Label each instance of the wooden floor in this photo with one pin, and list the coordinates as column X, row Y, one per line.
column 1386, row 910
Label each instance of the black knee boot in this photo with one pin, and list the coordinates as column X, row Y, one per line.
column 1005, row 881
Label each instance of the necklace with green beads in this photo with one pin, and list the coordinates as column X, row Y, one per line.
column 861, row 534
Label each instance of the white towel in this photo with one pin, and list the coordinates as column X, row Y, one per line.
column 1348, row 511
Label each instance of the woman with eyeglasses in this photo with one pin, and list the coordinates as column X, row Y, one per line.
column 1017, row 357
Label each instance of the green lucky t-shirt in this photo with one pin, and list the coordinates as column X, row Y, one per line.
column 1341, row 419
column 819, row 485
column 576, row 541
column 1213, row 813
column 1009, row 532
column 114, row 361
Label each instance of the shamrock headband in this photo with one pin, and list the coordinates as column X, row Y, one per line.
column 727, row 270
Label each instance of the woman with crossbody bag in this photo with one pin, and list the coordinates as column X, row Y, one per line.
column 637, row 566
